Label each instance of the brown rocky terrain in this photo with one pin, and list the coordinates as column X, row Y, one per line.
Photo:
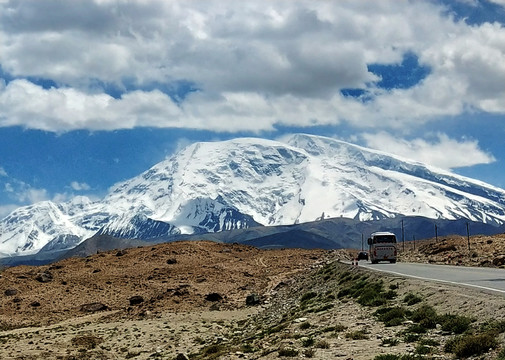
column 206, row 300
column 480, row 250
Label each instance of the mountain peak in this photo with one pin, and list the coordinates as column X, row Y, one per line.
column 214, row 186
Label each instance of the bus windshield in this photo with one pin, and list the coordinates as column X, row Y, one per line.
column 384, row 239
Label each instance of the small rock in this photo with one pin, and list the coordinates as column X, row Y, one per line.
column 171, row 261
column 499, row 260
column 44, row 277
column 121, row 253
column 300, row 320
column 10, row 292
column 136, row 300
column 181, row 356
column 213, row 297
column 252, row 300
column 93, row 307
column 35, row 304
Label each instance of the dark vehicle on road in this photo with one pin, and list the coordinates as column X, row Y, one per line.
column 362, row 255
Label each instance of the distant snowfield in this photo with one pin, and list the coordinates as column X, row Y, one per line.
column 238, row 183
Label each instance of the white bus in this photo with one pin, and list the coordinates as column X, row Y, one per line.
column 382, row 247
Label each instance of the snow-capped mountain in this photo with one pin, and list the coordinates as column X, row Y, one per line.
column 215, row 186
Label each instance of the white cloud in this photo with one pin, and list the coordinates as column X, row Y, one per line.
column 77, row 186
column 256, row 64
column 3, row 172
column 441, row 151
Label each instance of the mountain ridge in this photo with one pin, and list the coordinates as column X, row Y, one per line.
column 239, row 183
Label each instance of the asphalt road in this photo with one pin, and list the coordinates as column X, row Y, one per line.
column 488, row 279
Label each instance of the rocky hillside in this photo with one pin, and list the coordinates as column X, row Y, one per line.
column 481, row 250
column 204, row 300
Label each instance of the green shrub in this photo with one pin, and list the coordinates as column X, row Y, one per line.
column 391, row 316
column 494, row 325
column 416, row 329
column 423, row 349
column 371, row 295
column 412, row 299
column 429, row 342
column 426, row 316
column 308, row 296
column 390, row 341
column 411, row 337
column 306, row 342
column 454, row 323
column 468, row 345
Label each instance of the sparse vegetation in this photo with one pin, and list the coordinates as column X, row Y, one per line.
column 357, row 335
column 288, row 352
column 456, row 324
column 412, row 299
column 391, row 316
column 390, row 342
column 464, row 346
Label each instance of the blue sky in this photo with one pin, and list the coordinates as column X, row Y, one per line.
column 95, row 92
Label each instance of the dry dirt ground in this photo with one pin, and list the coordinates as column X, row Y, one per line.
column 160, row 302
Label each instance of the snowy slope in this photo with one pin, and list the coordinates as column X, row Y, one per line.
column 239, row 183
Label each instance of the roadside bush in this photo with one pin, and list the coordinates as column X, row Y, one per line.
column 426, row 316
column 391, row 316
column 469, row 345
column 412, row 299
column 454, row 323
column 372, row 295
column 494, row 325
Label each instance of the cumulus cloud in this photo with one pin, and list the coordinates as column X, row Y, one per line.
column 77, row 186
column 442, row 151
column 3, row 172
column 254, row 65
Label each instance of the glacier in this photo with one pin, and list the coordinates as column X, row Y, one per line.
column 246, row 182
